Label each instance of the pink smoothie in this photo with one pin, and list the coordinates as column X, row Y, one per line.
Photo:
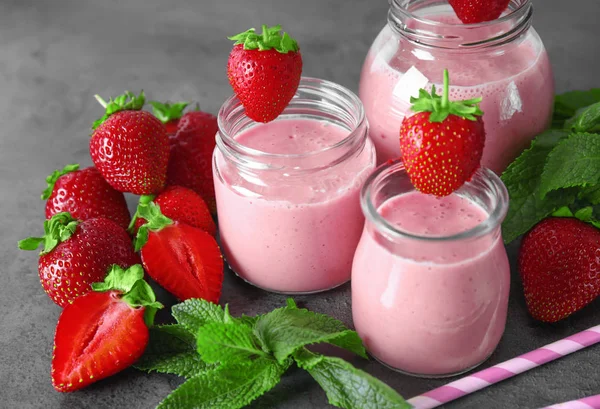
column 288, row 231
column 515, row 82
column 430, row 308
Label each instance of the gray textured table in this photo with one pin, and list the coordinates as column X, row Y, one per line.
column 54, row 55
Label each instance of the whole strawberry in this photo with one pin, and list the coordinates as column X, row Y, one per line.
column 264, row 71
column 560, row 267
column 192, row 139
column 130, row 147
column 478, row 11
column 77, row 254
column 104, row 331
column 184, row 260
column 443, row 142
column 85, row 194
column 182, row 205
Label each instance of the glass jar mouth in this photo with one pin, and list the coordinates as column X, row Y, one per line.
column 403, row 17
column 335, row 103
column 483, row 178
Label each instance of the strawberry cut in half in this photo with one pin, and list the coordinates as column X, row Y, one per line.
column 184, row 260
column 442, row 143
column 559, row 263
column 130, row 147
column 478, row 11
column 77, row 254
column 104, row 331
column 264, row 71
column 192, row 140
column 85, row 194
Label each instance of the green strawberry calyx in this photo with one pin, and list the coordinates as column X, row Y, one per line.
column 155, row 221
column 144, row 200
column 53, row 177
column 134, row 290
column 56, row 230
column 441, row 107
column 126, row 102
column 167, row 112
column 270, row 39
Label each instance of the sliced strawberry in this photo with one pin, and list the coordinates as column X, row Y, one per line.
column 102, row 333
column 185, row 260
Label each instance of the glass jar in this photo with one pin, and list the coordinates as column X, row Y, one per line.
column 430, row 278
column 504, row 61
column 287, row 191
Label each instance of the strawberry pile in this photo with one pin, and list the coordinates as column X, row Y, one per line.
column 90, row 264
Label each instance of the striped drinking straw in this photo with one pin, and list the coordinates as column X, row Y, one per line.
column 508, row 369
column 591, row 402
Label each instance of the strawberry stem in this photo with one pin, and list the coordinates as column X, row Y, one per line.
column 270, row 39
column 126, row 102
column 144, row 200
column 155, row 221
column 441, row 106
column 56, row 230
column 166, row 112
column 53, row 177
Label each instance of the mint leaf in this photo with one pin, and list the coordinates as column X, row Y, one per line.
column 522, row 179
column 194, row 313
column 575, row 161
column 172, row 349
column 590, row 194
column 585, row 120
column 348, row 387
column 566, row 105
column 227, row 343
column 284, row 330
column 226, row 387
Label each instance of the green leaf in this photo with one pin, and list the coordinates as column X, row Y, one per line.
column 585, row 120
column 522, row 179
column 143, row 201
column 564, row 211
column 575, row 161
column 566, row 105
column 227, row 343
column 348, row 387
column 155, row 221
column 142, row 295
column 590, row 194
column 120, row 279
column 126, row 102
column 285, row 330
column 195, row 313
column 56, row 230
column 53, row 177
column 271, row 38
column 226, row 387
column 172, row 349
column 166, row 112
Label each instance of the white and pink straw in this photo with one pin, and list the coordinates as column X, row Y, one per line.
column 591, row 402
column 510, row 368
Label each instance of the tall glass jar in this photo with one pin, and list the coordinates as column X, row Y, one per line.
column 288, row 191
column 431, row 278
column 504, row 61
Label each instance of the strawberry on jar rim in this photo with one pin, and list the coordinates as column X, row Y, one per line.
column 130, row 147
column 183, row 259
column 478, row 11
column 104, row 331
column 77, row 254
column 85, row 194
column 264, row 71
column 192, row 139
column 442, row 143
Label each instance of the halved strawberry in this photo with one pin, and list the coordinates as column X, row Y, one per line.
column 185, row 260
column 103, row 332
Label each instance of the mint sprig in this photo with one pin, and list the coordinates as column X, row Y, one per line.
column 245, row 357
column 566, row 105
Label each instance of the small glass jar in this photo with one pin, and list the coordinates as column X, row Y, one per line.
column 430, row 298
column 504, row 61
column 290, row 218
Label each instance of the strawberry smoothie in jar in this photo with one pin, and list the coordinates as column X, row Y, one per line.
column 288, row 191
column 430, row 278
column 504, row 61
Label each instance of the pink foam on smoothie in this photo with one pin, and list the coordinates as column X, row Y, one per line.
column 279, row 231
column 516, row 85
column 430, row 308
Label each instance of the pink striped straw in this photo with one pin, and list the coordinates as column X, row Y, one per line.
column 505, row 370
column 591, row 402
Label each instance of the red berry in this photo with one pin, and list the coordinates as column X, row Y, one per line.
column 559, row 263
column 477, row 11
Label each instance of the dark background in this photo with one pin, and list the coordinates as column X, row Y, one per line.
column 55, row 55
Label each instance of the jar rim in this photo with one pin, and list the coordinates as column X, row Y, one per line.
column 315, row 86
column 490, row 179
